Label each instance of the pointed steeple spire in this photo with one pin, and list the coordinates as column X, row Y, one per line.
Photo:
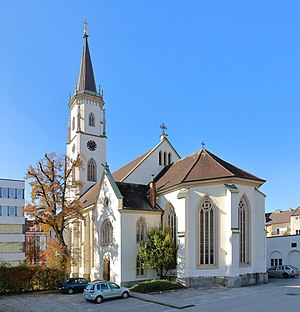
column 86, row 80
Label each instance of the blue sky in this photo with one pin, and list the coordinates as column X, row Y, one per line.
column 226, row 72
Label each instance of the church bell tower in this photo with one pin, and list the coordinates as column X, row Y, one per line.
column 87, row 123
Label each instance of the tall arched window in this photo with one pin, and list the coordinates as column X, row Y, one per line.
column 91, row 120
column 165, row 158
column 73, row 123
column 207, row 233
column 169, row 159
column 91, row 170
column 160, row 158
column 107, row 233
column 170, row 221
column 244, row 231
column 141, row 228
column 140, row 271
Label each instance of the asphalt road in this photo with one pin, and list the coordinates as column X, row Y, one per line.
column 278, row 295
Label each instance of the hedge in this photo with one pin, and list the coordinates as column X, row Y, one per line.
column 29, row 278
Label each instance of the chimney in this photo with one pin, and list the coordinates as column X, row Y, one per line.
column 152, row 192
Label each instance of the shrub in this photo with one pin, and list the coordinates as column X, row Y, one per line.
column 156, row 286
column 28, row 278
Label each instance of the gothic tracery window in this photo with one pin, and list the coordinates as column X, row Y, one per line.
column 91, row 170
column 140, row 271
column 244, row 231
column 207, row 230
column 170, row 221
column 140, row 230
column 107, row 233
column 92, row 120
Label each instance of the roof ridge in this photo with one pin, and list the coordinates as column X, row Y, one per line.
column 212, row 156
column 194, row 164
column 130, row 183
column 143, row 157
column 220, row 161
column 134, row 167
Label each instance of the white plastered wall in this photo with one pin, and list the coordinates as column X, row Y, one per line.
column 113, row 252
column 227, row 219
column 130, row 247
column 280, row 247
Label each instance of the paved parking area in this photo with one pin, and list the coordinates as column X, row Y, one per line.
column 278, row 295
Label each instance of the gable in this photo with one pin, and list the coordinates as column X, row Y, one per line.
column 141, row 169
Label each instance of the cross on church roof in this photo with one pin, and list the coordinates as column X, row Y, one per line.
column 203, row 144
column 85, row 23
column 163, row 127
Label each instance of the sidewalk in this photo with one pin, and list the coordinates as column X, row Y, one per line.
column 173, row 303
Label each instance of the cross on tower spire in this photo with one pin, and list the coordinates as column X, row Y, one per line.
column 203, row 144
column 85, row 31
column 163, row 135
column 163, row 127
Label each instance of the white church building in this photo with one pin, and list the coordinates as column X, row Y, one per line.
column 214, row 208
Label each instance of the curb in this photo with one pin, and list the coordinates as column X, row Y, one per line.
column 150, row 298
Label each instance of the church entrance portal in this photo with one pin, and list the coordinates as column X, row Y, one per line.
column 106, row 269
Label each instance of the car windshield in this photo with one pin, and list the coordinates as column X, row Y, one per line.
column 293, row 267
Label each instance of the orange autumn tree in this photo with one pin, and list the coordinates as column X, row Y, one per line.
column 53, row 204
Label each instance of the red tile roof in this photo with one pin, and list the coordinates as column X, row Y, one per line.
column 280, row 217
column 199, row 166
column 90, row 196
column 121, row 173
column 297, row 212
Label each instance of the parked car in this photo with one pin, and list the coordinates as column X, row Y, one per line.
column 76, row 284
column 98, row 291
column 283, row 271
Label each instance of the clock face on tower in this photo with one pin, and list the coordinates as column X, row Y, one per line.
column 91, row 145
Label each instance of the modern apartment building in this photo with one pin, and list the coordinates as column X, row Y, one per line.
column 12, row 222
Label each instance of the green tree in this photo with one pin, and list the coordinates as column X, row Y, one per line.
column 54, row 199
column 159, row 251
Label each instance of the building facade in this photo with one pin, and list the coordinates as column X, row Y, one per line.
column 283, row 250
column 279, row 223
column 36, row 242
column 215, row 209
column 12, row 222
column 283, row 242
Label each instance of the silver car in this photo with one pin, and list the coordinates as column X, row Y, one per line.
column 283, row 271
column 99, row 291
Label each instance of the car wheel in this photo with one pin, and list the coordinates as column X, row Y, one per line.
column 99, row 299
column 70, row 291
column 285, row 275
column 125, row 295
